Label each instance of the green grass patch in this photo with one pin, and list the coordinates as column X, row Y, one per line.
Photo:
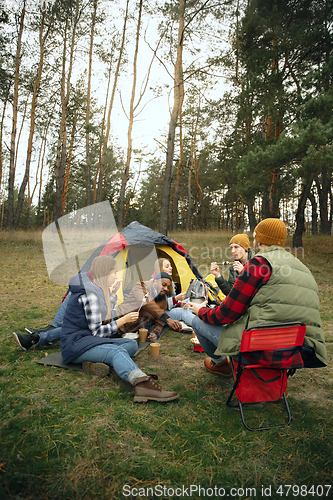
column 67, row 435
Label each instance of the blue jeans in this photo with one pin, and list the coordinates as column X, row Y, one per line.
column 117, row 355
column 59, row 317
column 208, row 336
column 181, row 314
column 54, row 334
column 49, row 336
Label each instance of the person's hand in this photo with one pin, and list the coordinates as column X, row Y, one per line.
column 195, row 307
column 215, row 270
column 152, row 336
column 238, row 266
column 116, row 286
column 180, row 296
column 174, row 324
column 127, row 318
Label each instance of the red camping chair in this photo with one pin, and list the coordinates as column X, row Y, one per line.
column 268, row 355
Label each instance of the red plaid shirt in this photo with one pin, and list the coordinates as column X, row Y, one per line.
column 255, row 274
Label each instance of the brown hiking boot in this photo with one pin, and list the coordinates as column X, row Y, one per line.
column 99, row 369
column 223, row 369
column 146, row 389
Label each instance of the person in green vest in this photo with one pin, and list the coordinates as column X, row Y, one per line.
column 274, row 287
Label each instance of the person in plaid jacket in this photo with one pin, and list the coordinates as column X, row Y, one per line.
column 274, row 287
column 90, row 328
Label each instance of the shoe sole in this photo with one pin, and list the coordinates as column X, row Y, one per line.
column 38, row 330
column 143, row 399
column 218, row 373
column 18, row 341
column 99, row 369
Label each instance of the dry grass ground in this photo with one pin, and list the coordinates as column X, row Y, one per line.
column 64, row 434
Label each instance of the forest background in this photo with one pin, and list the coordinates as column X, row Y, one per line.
column 246, row 91
column 261, row 148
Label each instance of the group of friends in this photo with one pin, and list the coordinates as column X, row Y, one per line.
column 266, row 284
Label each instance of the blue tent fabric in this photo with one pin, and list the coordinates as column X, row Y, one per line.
column 135, row 234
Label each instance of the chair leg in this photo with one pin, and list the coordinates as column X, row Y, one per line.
column 271, row 426
column 287, row 407
column 230, row 397
column 236, row 378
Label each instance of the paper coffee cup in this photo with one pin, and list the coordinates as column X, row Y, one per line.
column 143, row 332
column 154, row 349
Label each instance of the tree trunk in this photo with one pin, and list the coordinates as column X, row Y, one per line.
column 11, row 178
column 101, row 140
column 331, row 211
column 59, row 173
column 251, row 215
column 195, row 162
column 30, row 196
column 65, row 96
column 93, row 23
column 314, row 214
column 271, row 197
column 43, row 149
column 68, row 166
column 179, row 168
column 27, row 216
column 181, row 158
column 101, row 166
column 1, row 133
column 178, row 89
column 32, row 118
column 131, row 195
column 125, row 177
column 323, row 192
column 189, row 204
column 300, row 226
column 2, row 213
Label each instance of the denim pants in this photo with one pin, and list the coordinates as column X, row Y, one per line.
column 117, row 355
column 54, row 334
column 181, row 314
column 59, row 317
column 208, row 336
column 49, row 336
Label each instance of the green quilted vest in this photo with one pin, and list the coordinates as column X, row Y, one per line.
column 291, row 294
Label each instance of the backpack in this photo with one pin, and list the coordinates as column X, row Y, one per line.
column 197, row 291
column 215, row 295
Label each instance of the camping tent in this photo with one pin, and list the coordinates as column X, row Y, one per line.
column 135, row 249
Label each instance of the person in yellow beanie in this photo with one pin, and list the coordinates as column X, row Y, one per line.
column 270, row 232
column 273, row 287
column 241, row 251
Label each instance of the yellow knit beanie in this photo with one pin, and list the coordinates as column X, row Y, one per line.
column 242, row 240
column 271, row 232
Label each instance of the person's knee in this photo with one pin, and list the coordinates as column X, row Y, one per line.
column 132, row 347
column 200, row 329
column 130, row 343
column 197, row 324
column 128, row 348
